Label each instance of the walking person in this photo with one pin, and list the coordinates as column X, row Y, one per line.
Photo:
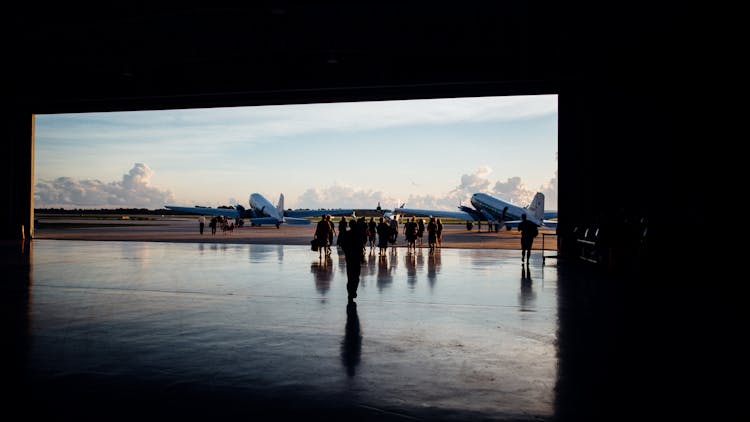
column 432, row 234
column 439, row 232
column 342, row 228
column 528, row 232
column 384, row 234
column 201, row 223
column 410, row 232
column 371, row 232
column 351, row 242
column 420, row 231
column 362, row 230
column 322, row 236
column 394, row 230
column 330, row 233
column 212, row 224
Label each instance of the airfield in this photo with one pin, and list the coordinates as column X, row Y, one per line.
column 180, row 229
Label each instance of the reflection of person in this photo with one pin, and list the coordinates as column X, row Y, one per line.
column 528, row 233
column 323, row 272
column 201, row 223
column 527, row 297
column 433, row 267
column 351, row 346
column 351, row 242
column 526, row 277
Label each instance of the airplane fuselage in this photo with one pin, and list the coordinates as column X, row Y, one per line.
column 492, row 208
column 263, row 206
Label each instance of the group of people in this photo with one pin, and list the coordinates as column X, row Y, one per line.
column 414, row 233
column 355, row 235
column 227, row 226
column 352, row 238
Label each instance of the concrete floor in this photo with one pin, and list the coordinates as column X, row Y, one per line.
column 122, row 330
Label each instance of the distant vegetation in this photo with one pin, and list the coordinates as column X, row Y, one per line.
column 103, row 211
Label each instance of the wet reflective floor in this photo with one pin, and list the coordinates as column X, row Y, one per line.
column 108, row 330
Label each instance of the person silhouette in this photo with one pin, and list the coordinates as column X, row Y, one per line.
column 323, row 233
column 351, row 243
column 432, row 234
column 528, row 232
column 342, row 228
column 201, row 223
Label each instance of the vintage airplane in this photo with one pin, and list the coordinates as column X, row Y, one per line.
column 262, row 211
column 491, row 209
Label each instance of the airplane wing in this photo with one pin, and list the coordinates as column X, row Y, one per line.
column 370, row 212
column 259, row 221
column 318, row 213
column 226, row 212
column 414, row 212
column 512, row 224
column 337, row 212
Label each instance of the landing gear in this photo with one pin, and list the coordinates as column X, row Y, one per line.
column 278, row 225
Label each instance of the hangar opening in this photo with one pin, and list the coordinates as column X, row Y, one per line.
column 429, row 153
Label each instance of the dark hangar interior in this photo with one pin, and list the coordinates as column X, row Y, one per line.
column 616, row 68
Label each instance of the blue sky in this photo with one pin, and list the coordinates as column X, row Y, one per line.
column 427, row 153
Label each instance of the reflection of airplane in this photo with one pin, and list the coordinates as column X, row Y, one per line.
column 263, row 212
column 489, row 208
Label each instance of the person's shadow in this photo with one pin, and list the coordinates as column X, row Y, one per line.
column 351, row 346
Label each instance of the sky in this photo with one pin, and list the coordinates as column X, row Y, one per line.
column 432, row 153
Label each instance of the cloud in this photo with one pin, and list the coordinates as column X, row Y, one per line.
column 190, row 128
column 345, row 197
column 550, row 193
column 133, row 191
column 513, row 190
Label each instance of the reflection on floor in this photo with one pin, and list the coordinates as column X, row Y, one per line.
column 108, row 330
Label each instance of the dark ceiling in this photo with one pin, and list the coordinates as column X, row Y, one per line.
column 127, row 55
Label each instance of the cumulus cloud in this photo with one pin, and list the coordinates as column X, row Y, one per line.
column 345, row 197
column 550, row 193
column 133, row 191
column 513, row 190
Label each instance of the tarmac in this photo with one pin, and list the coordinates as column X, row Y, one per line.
column 173, row 327
column 186, row 230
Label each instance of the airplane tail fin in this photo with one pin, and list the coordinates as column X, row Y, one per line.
column 241, row 210
column 536, row 208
